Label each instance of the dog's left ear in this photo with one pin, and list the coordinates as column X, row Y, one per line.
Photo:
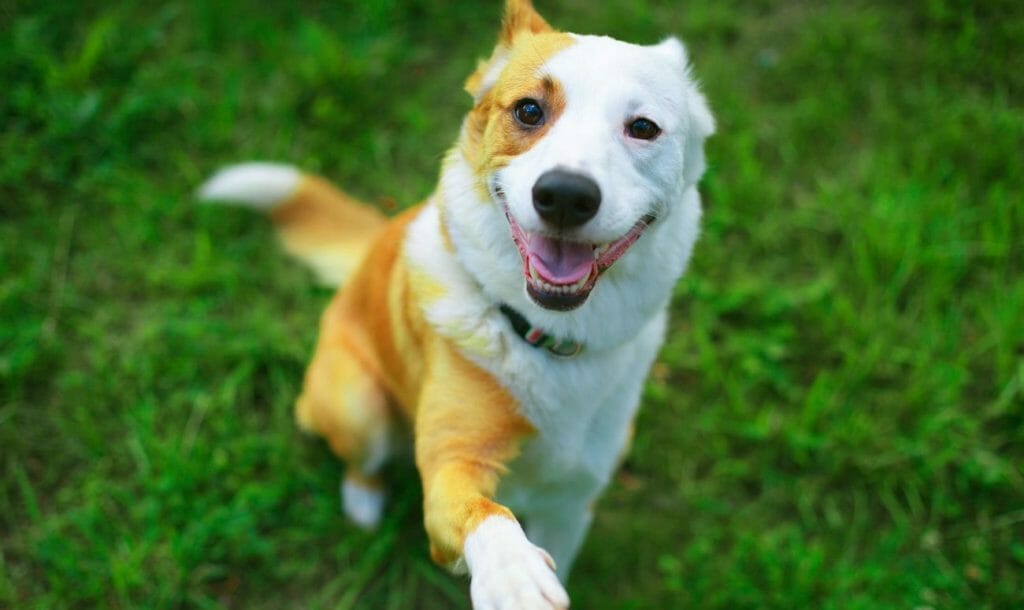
column 701, row 124
column 520, row 18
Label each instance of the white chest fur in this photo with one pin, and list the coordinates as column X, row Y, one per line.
column 581, row 407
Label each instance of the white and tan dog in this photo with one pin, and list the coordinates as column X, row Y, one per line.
column 513, row 316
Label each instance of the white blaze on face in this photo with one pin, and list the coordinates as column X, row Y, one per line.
column 607, row 84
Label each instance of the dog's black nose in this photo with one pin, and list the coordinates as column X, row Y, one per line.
column 566, row 199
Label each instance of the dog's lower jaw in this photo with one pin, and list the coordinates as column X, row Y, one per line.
column 509, row 572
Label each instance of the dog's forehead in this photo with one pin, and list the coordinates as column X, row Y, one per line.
column 515, row 72
column 617, row 72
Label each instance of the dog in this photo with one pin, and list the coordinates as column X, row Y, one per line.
column 510, row 319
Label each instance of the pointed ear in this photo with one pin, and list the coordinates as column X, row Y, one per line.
column 701, row 122
column 520, row 18
column 673, row 50
column 702, row 126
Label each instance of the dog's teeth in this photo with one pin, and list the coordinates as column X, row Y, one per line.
column 565, row 289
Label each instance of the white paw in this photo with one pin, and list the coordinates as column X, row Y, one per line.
column 507, row 572
column 362, row 503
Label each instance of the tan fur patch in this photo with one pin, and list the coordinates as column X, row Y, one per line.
column 493, row 136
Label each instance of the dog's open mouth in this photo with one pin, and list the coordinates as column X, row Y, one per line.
column 561, row 273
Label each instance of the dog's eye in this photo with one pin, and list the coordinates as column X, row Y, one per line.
column 643, row 129
column 528, row 112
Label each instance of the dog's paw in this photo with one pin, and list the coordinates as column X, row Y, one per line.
column 507, row 572
column 362, row 502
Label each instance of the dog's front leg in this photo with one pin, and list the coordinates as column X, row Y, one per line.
column 467, row 429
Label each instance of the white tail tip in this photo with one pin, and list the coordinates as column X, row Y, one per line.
column 256, row 185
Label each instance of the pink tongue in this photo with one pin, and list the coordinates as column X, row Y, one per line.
column 558, row 261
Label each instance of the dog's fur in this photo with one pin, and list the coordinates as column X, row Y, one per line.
column 504, row 429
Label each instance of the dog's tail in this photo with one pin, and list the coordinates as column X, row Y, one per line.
column 317, row 223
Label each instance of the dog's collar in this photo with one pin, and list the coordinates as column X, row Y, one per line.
column 563, row 348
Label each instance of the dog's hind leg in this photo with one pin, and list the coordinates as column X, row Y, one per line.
column 342, row 402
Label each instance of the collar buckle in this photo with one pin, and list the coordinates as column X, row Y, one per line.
column 565, row 349
column 560, row 348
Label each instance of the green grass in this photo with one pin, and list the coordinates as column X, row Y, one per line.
column 837, row 418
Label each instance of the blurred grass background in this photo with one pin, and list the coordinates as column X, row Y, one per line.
column 837, row 418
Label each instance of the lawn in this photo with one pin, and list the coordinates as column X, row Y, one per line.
column 837, row 417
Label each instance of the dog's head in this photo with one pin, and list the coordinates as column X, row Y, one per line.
column 583, row 143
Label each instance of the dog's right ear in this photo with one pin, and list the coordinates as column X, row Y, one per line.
column 520, row 18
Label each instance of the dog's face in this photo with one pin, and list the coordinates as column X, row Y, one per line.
column 582, row 142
